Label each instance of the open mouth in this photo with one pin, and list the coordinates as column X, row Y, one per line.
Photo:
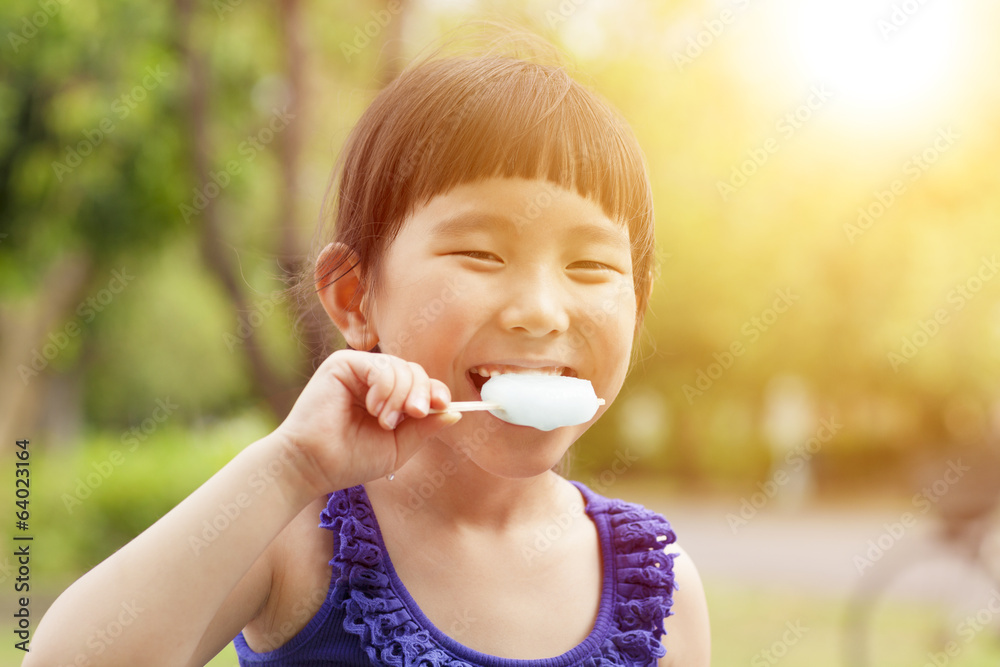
column 478, row 375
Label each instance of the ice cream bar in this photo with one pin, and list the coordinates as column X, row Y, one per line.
column 544, row 402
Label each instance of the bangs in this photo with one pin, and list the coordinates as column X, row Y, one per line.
column 455, row 121
column 528, row 121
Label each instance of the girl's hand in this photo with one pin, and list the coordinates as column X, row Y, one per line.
column 362, row 416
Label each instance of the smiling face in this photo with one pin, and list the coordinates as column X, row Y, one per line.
column 509, row 276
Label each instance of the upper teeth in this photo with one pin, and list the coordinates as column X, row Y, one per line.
column 491, row 371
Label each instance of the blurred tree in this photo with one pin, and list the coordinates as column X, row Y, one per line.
column 81, row 184
column 111, row 119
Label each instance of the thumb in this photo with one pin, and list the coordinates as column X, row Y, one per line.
column 412, row 434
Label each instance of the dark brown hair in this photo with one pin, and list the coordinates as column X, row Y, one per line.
column 457, row 119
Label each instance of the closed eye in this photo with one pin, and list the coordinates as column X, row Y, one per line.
column 593, row 266
column 479, row 254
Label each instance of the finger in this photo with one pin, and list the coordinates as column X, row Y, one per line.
column 392, row 411
column 440, row 395
column 352, row 368
column 381, row 381
column 418, row 401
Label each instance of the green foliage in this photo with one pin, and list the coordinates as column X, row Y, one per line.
column 171, row 335
column 94, row 153
column 91, row 499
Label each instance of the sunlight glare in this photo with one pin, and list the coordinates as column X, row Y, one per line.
column 879, row 56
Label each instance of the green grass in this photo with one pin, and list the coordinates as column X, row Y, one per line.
column 746, row 622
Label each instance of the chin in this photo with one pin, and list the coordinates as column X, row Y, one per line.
column 513, row 452
column 522, row 458
column 517, row 471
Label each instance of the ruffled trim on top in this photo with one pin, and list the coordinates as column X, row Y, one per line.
column 643, row 591
column 373, row 612
column 644, row 575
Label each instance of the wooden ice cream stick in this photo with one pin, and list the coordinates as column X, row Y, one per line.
column 472, row 406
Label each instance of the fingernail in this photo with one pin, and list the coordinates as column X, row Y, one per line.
column 423, row 404
column 440, row 395
column 393, row 419
column 378, row 408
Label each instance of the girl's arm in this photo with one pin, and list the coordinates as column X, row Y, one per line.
column 688, row 639
column 191, row 581
column 151, row 602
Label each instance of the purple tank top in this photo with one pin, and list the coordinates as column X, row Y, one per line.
column 368, row 617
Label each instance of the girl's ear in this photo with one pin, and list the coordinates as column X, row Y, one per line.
column 338, row 283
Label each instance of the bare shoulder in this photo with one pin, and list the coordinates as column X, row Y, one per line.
column 688, row 639
column 264, row 603
column 300, row 557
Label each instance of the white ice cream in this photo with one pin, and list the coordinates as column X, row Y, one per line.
column 544, row 402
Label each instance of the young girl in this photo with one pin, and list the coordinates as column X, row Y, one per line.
column 493, row 217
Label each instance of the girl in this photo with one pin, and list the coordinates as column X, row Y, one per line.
column 493, row 217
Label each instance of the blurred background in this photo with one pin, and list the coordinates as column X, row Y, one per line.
column 815, row 404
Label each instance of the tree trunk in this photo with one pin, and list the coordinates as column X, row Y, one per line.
column 293, row 249
column 25, row 329
column 266, row 383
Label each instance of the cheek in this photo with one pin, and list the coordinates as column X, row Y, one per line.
column 417, row 321
column 612, row 318
column 612, row 328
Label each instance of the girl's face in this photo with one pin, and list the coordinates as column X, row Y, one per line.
column 509, row 275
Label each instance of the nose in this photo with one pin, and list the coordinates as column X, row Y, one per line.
column 535, row 304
